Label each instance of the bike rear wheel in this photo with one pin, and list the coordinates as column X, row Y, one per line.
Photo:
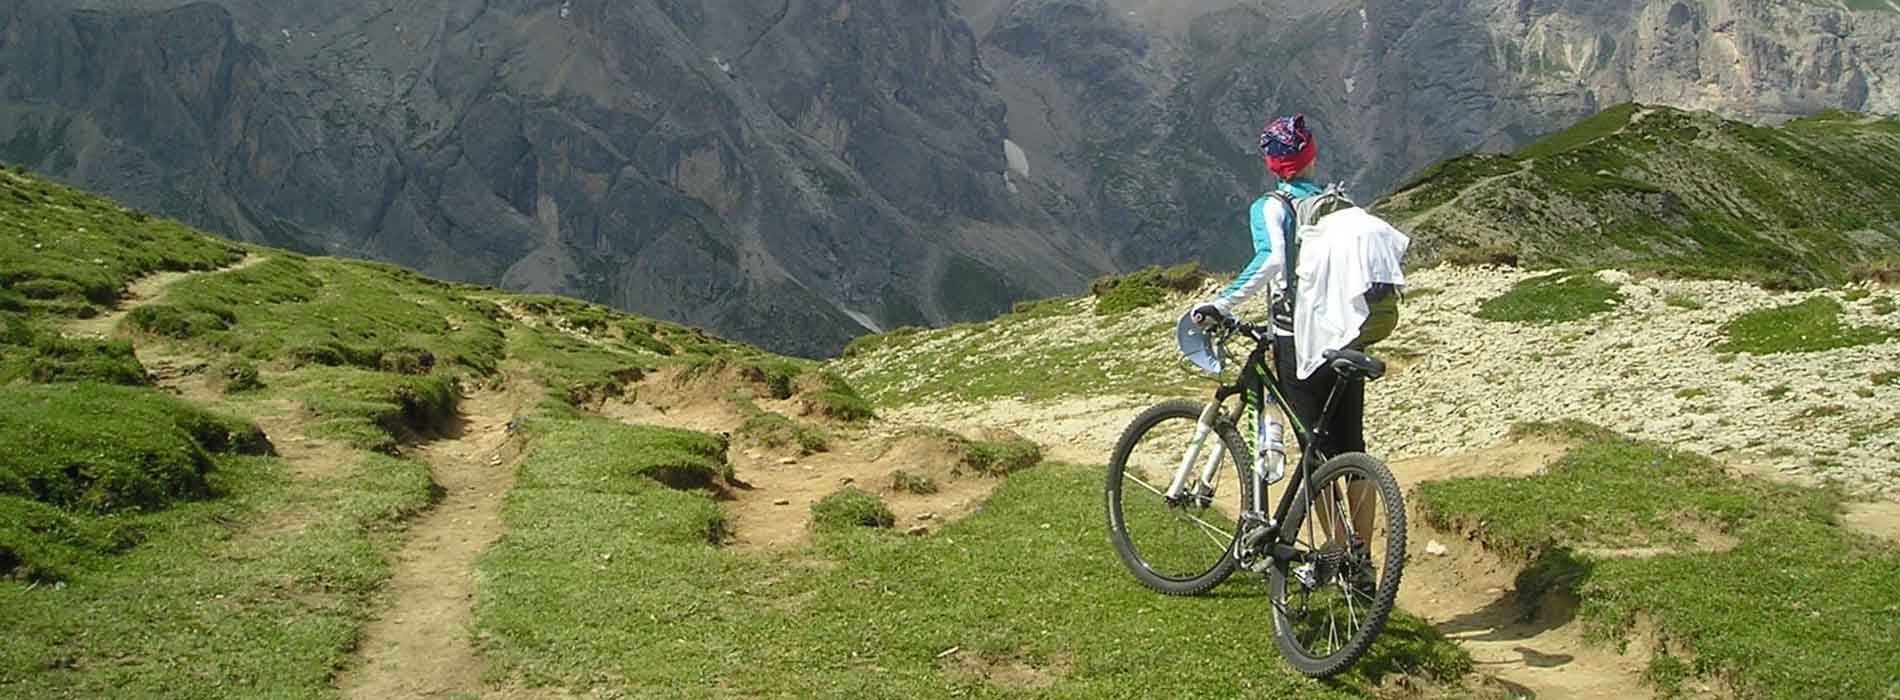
column 1184, row 547
column 1327, row 611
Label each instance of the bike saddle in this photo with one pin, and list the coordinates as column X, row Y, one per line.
column 1355, row 364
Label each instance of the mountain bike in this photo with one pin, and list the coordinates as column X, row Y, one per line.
column 1333, row 563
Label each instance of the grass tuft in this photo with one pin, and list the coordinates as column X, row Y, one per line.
column 240, row 376
column 100, row 448
column 31, row 353
column 906, row 482
column 1809, row 326
column 1683, row 301
column 374, row 410
column 1554, row 298
column 775, row 430
column 1145, row 288
column 850, row 507
column 840, row 401
column 1001, row 457
column 623, row 459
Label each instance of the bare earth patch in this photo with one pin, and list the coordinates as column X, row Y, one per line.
column 774, row 512
column 1080, row 430
column 771, row 508
column 1878, row 518
column 1468, row 594
column 419, row 645
column 1522, row 457
column 1014, row 672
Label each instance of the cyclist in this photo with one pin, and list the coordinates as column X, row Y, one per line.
column 1289, row 151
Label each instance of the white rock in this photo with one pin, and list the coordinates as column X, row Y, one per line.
column 1435, row 549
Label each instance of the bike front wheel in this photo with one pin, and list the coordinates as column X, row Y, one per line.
column 1330, row 605
column 1184, row 545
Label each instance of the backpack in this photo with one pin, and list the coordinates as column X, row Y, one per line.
column 1382, row 299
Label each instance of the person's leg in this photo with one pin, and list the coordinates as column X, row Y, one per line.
column 1307, row 399
column 1306, row 396
column 1345, row 432
column 1349, row 425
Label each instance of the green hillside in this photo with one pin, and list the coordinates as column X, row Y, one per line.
column 1646, row 187
column 234, row 471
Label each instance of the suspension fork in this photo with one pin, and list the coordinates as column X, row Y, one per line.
column 1202, row 429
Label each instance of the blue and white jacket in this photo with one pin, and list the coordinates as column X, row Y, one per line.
column 1268, row 219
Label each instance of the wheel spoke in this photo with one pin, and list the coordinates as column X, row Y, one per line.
column 1340, row 526
column 1161, row 541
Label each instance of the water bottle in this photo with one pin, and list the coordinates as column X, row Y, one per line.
column 1272, row 461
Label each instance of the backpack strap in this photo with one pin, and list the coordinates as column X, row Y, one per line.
column 1291, row 247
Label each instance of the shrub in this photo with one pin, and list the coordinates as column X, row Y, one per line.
column 50, row 288
column 1491, row 254
column 1145, row 287
column 868, row 343
column 331, row 353
column 776, row 375
column 851, row 507
column 1885, row 270
column 40, row 543
column 644, row 340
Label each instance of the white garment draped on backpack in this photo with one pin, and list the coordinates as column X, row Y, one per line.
column 1341, row 256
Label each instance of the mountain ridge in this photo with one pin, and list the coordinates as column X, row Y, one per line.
column 1665, row 189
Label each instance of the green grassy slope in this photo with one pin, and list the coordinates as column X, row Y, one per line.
column 1645, row 187
column 150, row 542
column 870, row 612
column 208, row 502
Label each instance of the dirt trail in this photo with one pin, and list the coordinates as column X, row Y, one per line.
column 1469, row 595
column 145, row 290
column 770, row 506
column 420, row 645
column 774, row 509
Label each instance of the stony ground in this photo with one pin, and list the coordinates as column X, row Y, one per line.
column 1648, row 367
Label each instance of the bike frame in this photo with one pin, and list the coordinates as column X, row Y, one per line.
column 1256, row 382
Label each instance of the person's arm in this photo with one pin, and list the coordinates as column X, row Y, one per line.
column 1266, row 218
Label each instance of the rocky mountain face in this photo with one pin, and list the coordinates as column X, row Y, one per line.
column 795, row 173
column 1149, row 110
